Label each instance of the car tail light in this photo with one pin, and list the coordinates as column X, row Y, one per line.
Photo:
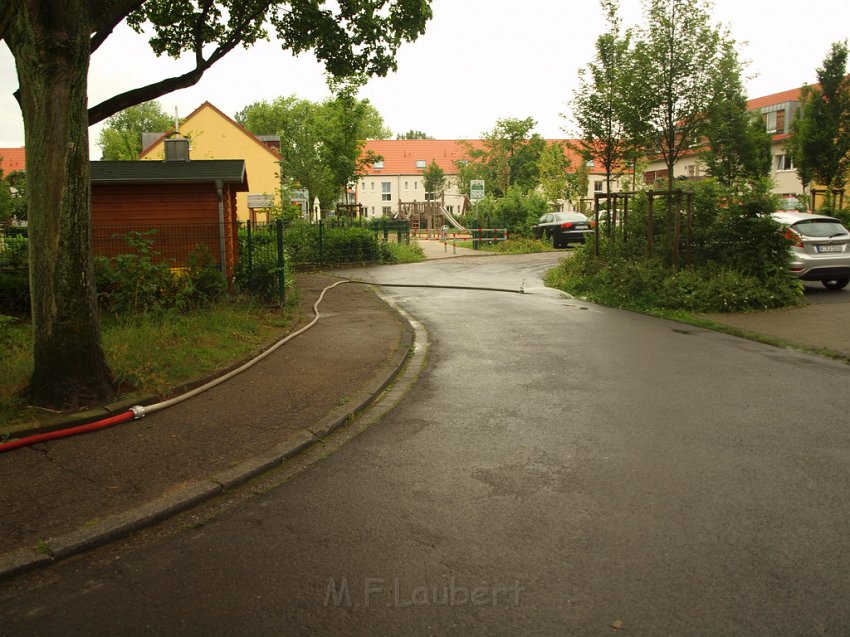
column 793, row 237
column 567, row 225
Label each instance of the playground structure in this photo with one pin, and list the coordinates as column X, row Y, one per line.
column 428, row 217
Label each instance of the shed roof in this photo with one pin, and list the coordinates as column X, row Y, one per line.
column 231, row 171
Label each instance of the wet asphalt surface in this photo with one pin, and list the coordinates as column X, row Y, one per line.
column 559, row 469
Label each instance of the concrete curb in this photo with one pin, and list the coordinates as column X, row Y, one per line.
column 123, row 524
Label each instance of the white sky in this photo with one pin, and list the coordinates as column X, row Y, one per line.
column 479, row 61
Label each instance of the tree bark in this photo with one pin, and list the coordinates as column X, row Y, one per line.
column 50, row 41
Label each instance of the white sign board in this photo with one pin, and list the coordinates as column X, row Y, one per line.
column 476, row 189
column 261, row 201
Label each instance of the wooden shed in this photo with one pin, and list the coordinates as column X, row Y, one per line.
column 186, row 203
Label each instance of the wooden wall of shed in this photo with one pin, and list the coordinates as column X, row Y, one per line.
column 184, row 216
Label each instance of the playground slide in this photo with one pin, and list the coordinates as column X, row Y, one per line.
column 452, row 219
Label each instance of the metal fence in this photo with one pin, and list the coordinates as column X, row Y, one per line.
column 254, row 256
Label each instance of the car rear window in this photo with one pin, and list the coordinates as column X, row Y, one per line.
column 819, row 229
column 566, row 216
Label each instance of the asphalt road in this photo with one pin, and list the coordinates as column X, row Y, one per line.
column 559, row 469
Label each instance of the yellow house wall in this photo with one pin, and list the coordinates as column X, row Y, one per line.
column 214, row 137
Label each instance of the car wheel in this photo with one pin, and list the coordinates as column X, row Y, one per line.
column 555, row 243
column 835, row 284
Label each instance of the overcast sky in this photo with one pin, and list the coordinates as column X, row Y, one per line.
column 479, row 61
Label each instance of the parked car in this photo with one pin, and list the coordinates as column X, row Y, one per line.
column 820, row 247
column 562, row 228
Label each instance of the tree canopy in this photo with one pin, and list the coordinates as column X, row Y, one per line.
column 321, row 142
column 121, row 138
column 599, row 103
column 672, row 77
column 820, row 132
column 509, row 155
column 52, row 43
column 738, row 145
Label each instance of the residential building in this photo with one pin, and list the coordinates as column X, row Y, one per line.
column 777, row 112
column 214, row 135
column 398, row 175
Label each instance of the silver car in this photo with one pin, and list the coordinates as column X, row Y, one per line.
column 820, row 247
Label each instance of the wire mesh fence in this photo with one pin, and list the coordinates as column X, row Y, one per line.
column 255, row 257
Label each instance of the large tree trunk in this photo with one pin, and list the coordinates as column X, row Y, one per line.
column 50, row 42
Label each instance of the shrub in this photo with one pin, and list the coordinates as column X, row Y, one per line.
column 15, row 293
column 206, row 282
column 392, row 252
column 134, row 283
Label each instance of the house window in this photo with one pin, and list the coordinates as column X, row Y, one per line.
column 597, row 186
column 420, row 163
column 387, row 211
column 692, row 171
column 416, row 185
column 378, row 164
column 406, row 186
column 774, row 121
column 783, row 163
column 386, row 194
column 373, row 186
column 450, row 209
column 363, row 186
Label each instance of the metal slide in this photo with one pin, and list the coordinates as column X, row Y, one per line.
column 452, row 219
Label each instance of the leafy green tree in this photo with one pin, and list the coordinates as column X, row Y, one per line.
column 413, row 134
column 121, row 138
column 672, row 74
column 598, row 105
column 7, row 203
column 820, row 132
column 321, row 142
column 739, row 146
column 554, row 168
column 434, row 180
column 52, row 43
column 509, row 155
column 347, row 123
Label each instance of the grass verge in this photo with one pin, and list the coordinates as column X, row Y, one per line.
column 152, row 353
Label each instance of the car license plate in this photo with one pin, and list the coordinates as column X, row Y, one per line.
column 581, row 226
column 835, row 247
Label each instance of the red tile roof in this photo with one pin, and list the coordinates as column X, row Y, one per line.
column 400, row 155
column 12, row 159
column 792, row 95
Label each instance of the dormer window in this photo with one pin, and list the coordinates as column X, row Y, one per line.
column 421, row 163
column 378, row 164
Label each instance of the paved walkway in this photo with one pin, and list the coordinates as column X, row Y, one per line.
column 58, row 498
column 68, row 494
column 438, row 250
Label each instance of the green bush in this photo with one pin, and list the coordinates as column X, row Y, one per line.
column 738, row 259
column 14, row 251
column 517, row 211
column 206, row 282
column 135, row 283
column 518, row 245
column 15, row 293
column 392, row 252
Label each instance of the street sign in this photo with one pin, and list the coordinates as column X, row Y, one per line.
column 476, row 189
column 261, row 201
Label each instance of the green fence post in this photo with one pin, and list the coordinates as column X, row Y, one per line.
column 281, row 263
column 250, row 248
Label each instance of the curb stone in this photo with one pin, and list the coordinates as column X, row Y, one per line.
column 123, row 524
